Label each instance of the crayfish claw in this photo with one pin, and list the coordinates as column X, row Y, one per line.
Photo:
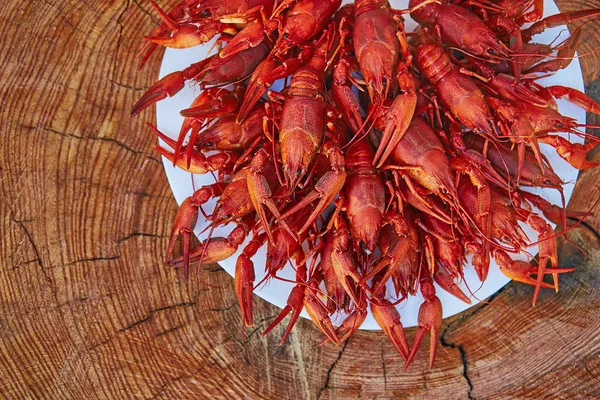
column 185, row 220
column 446, row 282
column 257, row 86
column 186, row 36
column 216, row 107
column 168, row 86
column 350, row 325
column 214, row 249
column 318, row 313
column 294, row 305
column 398, row 119
column 244, row 285
column 521, row 271
column 388, row 318
column 430, row 319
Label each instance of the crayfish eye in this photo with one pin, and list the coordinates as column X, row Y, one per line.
column 205, row 13
column 270, row 258
column 285, row 35
column 548, row 182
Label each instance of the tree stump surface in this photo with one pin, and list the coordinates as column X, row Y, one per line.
column 89, row 310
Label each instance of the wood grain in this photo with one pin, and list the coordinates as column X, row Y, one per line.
column 89, row 310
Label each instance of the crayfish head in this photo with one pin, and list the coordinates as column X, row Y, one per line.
column 278, row 254
column 424, row 13
column 492, row 48
column 259, row 161
column 427, row 289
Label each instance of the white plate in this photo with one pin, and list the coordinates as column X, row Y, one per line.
column 183, row 183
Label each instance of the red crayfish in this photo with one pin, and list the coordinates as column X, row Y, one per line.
column 383, row 162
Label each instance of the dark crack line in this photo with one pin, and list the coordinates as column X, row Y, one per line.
column 101, row 343
column 169, row 331
column 222, row 309
column 33, row 245
column 36, row 252
column 471, row 312
column 84, row 260
column 148, row 13
column 103, row 139
column 465, row 362
column 148, row 317
column 587, row 226
column 69, row 302
column 330, row 370
column 144, row 194
column 463, row 357
column 162, row 388
column 246, row 338
column 140, row 234
column 136, row 323
column 134, row 88
column 123, row 145
column 182, row 304
column 17, row 267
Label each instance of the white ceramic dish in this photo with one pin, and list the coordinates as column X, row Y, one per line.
column 183, row 183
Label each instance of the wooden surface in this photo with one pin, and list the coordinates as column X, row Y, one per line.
column 89, row 310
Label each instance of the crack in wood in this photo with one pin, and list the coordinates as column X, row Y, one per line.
column 223, row 309
column 587, row 226
column 170, row 307
column 156, row 20
column 34, row 247
column 92, row 139
column 169, row 330
column 84, row 260
column 465, row 362
column 140, row 234
column 136, row 323
column 162, row 388
column 148, row 317
column 463, row 317
column 246, row 338
column 146, row 194
column 77, row 300
column 330, row 370
column 134, row 88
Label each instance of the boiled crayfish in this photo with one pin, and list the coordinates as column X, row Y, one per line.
column 382, row 159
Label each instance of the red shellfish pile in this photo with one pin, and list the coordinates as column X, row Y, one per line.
column 387, row 157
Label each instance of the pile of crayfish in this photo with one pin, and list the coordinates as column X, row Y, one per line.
column 387, row 158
